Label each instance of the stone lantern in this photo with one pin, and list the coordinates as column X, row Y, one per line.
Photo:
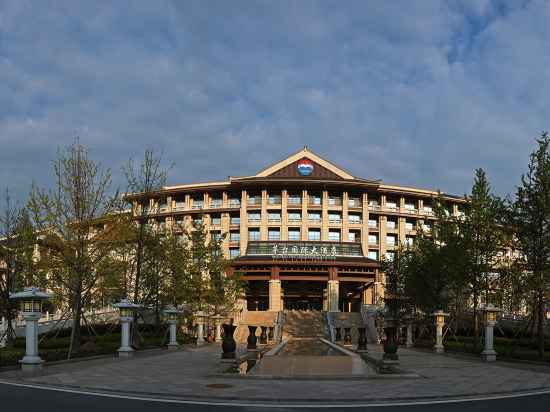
column 489, row 354
column 127, row 313
column 30, row 304
column 409, row 320
column 218, row 323
column 199, row 319
column 439, row 317
column 172, row 314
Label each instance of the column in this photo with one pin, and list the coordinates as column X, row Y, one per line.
column 173, row 343
column 275, row 290
column 324, row 216
column 410, row 342
column 305, row 202
column 333, row 290
column 345, row 221
column 284, row 215
column 365, row 226
column 244, row 223
column 263, row 217
column 489, row 354
column 125, row 349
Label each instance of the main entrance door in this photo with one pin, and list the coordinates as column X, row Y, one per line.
column 303, row 295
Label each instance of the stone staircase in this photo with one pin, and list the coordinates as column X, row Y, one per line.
column 303, row 324
column 253, row 318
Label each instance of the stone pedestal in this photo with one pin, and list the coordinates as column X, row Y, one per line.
column 200, row 333
column 409, row 343
column 251, row 340
column 362, row 340
column 489, row 354
column 125, row 350
column 3, row 333
column 173, row 343
column 263, row 335
column 347, row 336
column 438, row 347
column 31, row 362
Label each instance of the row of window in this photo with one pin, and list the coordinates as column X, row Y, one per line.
column 295, row 234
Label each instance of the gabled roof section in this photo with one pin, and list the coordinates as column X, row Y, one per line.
column 321, row 167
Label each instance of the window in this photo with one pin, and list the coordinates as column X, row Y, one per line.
column 235, row 220
column 315, row 200
column 197, row 204
column 354, row 202
column 351, row 237
column 274, row 216
column 294, row 216
column 274, row 200
column 180, row 203
column 294, row 200
column 216, row 220
column 391, row 224
column 354, row 236
column 314, row 234
column 373, row 254
column 334, row 201
column 409, row 225
column 334, row 217
column 391, row 204
column 215, row 203
column 373, row 223
column 253, row 234
column 314, row 216
column 354, row 218
column 390, row 240
column 410, row 206
column 373, row 202
column 274, row 234
column 254, row 200
column 234, row 236
column 234, row 202
column 373, row 239
column 163, row 206
column 409, row 240
column 294, row 234
column 254, row 217
column 234, row 252
column 428, row 209
column 216, row 234
column 334, row 235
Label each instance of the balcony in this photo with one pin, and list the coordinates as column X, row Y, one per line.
column 294, row 201
column 215, row 204
column 314, row 201
column 215, row 222
column 254, row 201
column 197, row 205
column 354, row 203
column 374, row 206
column 179, row 206
column 295, row 220
column 410, row 209
column 274, row 201
column 274, row 220
column 234, row 203
column 334, row 201
column 314, row 220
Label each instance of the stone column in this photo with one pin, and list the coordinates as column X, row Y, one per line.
column 489, row 354
column 275, row 295
column 333, row 287
column 218, row 320
column 200, row 328
column 372, row 332
column 173, row 343
column 439, row 323
column 31, row 361
column 125, row 350
column 3, row 333
column 410, row 342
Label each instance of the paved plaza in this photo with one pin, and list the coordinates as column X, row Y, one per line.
column 194, row 373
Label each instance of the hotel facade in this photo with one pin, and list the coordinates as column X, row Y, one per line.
column 304, row 233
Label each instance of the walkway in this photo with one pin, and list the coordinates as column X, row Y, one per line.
column 190, row 374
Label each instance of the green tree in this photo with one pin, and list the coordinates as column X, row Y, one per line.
column 530, row 220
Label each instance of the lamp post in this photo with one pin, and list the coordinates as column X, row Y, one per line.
column 489, row 354
column 172, row 314
column 199, row 319
column 30, row 305
column 127, row 311
column 409, row 320
column 439, row 316
column 218, row 323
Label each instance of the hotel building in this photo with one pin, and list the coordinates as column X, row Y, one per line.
column 304, row 233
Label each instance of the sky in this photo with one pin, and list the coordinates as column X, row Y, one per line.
column 411, row 92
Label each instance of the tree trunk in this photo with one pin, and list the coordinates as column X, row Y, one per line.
column 540, row 324
column 476, row 324
column 74, row 346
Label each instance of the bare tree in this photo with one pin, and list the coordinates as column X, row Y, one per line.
column 74, row 237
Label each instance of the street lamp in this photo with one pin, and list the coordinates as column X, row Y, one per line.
column 218, row 322
column 30, row 304
column 489, row 354
column 127, row 312
column 439, row 316
column 172, row 315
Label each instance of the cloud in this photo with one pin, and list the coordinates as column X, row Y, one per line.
column 413, row 93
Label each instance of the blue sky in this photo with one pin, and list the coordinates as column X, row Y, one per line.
column 412, row 92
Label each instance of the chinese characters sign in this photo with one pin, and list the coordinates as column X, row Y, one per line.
column 303, row 250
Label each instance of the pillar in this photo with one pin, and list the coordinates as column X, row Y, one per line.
column 275, row 290
column 218, row 330
column 333, row 290
column 125, row 350
column 409, row 343
column 3, row 333
column 200, row 333
column 489, row 354
column 31, row 361
column 173, row 343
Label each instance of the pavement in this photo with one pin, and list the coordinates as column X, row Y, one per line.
column 194, row 374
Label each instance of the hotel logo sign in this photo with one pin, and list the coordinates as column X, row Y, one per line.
column 303, row 250
column 305, row 167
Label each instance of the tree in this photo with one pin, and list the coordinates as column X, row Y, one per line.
column 142, row 180
column 72, row 234
column 530, row 219
column 482, row 241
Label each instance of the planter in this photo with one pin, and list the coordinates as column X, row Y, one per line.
column 263, row 335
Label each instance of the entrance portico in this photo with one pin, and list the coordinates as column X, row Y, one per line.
column 341, row 283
